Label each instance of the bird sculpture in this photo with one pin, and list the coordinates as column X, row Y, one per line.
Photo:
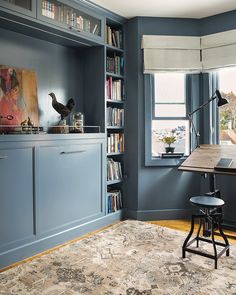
column 63, row 110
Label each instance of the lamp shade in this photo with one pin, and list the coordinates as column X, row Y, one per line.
column 221, row 101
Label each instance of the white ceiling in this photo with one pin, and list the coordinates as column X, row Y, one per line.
column 167, row 8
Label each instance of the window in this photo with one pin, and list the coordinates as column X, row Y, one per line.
column 169, row 113
column 227, row 113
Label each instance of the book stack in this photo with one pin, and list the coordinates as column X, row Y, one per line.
column 114, row 37
column 115, row 64
column 114, row 171
column 115, row 89
column 115, row 143
column 115, row 117
column 48, row 9
column 114, row 201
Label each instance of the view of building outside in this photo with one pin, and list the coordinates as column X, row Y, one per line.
column 169, row 123
column 227, row 87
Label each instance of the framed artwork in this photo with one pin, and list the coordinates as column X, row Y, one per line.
column 18, row 96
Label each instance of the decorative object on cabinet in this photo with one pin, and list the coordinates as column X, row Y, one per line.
column 18, row 95
column 63, row 110
column 78, row 122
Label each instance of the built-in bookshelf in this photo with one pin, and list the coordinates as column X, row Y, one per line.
column 71, row 17
column 115, row 114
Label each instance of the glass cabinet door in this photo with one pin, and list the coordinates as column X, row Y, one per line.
column 75, row 19
column 27, row 7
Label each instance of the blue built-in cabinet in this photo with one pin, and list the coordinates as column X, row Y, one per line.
column 52, row 186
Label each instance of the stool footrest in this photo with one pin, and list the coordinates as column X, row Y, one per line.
column 215, row 219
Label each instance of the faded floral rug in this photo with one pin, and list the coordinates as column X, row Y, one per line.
column 129, row 258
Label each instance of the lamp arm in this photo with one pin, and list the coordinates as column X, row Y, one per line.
column 194, row 129
column 203, row 105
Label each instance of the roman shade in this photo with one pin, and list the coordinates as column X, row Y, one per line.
column 188, row 53
column 171, row 53
column 218, row 50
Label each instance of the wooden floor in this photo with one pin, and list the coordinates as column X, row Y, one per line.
column 184, row 225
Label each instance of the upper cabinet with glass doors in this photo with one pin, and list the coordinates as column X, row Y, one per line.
column 26, row 7
column 71, row 16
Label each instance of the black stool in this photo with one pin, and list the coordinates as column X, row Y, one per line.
column 208, row 208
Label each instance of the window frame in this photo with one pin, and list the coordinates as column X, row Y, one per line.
column 149, row 93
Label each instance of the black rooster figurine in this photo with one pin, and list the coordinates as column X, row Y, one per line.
column 63, row 110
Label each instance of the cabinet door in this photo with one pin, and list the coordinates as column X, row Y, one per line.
column 70, row 186
column 27, row 7
column 75, row 19
column 16, row 197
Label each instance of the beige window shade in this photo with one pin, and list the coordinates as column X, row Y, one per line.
column 219, row 50
column 171, row 53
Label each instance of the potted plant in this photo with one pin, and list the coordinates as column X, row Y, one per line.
column 169, row 140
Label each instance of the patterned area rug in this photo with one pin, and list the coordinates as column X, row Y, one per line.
column 129, row 258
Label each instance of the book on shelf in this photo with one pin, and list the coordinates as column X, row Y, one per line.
column 48, row 9
column 114, row 37
column 114, row 200
column 115, row 143
column 86, row 25
column 95, row 30
column 115, row 117
column 114, row 170
column 115, row 64
column 114, row 89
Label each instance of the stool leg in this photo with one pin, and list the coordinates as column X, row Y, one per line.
column 223, row 236
column 213, row 242
column 188, row 237
column 198, row 232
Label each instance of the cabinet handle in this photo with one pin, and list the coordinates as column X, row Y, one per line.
column 3, row 157
column 72, row 152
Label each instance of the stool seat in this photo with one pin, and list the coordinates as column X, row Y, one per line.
column 207, row 202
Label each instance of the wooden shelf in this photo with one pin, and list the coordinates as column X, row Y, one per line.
column 113, row 48
column 110, row 182
column 115, row 127
column 114, row 154
column 115, row 101
column 114, row 75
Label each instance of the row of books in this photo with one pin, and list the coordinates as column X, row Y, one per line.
column 115, row 89
column 115, row 143
column 114, row 201
column 114, row 171
column 115, row 117
column 115, row 65
column 69, row 16
column 114, row 37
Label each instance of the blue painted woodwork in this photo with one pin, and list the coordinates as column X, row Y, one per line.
column 52, row 188
column 70, row 189
column 16, row 196
column 28, row 11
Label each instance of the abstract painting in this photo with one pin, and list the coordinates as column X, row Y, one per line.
column 18, row 96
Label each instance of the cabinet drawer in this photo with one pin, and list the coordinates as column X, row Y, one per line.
column 69, row 186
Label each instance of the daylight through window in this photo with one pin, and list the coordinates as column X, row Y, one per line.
column 227, row 112
column 170, row 125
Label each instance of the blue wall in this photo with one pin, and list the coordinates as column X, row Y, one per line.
column 154, row 192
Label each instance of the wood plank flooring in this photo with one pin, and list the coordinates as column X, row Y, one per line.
column 184, row 225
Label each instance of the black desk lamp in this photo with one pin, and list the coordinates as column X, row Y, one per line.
column 221, row 101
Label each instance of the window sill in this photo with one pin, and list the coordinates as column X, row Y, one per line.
column 168, row 162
